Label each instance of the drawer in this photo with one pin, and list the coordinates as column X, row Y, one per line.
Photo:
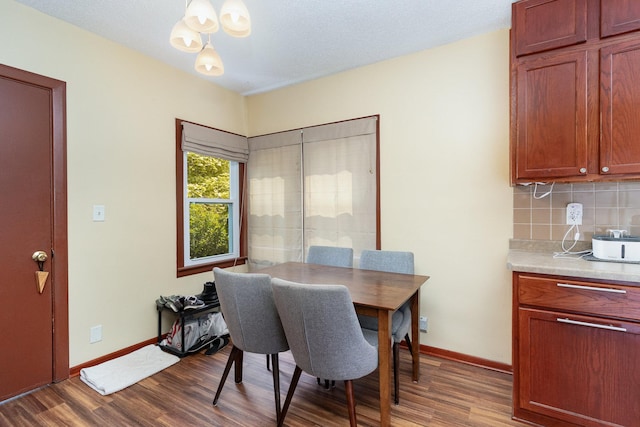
column 601, row 299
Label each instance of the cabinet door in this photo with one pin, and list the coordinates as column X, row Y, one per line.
column 619, row 16
column 548, row 24
column 551, row 117
column 579, row 369
column 620, row 108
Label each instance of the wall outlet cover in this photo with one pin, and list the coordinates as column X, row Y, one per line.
column 423, row 323
column 574, row 214
column 95, row 334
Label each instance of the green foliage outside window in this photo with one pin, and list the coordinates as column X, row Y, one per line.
column 208, row 178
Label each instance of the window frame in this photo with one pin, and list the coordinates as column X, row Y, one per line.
column 233, row 203
column 184, row 269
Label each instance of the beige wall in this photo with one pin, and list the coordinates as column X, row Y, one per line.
column 121, row 108
column 444, row 165
column 444, row 175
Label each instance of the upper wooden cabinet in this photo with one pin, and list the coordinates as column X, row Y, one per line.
column 548, row 24
column 551, row 116
column 575, row 97
column 620, row 108
column 619, row 16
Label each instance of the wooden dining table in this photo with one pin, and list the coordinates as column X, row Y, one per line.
column 374, row 293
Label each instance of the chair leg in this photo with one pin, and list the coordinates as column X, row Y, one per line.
column 238, row 370
column 276, row 384
column 233, row 357
column 292, row 388
column 408, row 341
column 351, row 403
column 396, row 373
column 268, row 367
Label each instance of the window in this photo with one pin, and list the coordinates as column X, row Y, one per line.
column 211, row 223
column 313, row 186
column 209, row 189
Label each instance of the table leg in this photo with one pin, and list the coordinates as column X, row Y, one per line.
column 384, row 366
column 415, row 335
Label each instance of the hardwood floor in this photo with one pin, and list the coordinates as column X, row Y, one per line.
column 449, row 394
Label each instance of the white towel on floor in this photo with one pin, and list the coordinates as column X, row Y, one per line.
column 119, row 373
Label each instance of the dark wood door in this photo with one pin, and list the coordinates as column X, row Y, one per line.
column 32, row 219
column 620, row 98
column 579, row 369
column 552, row 110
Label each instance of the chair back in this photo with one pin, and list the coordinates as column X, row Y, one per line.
column 323, row 331
column 389, row 261
column 330, row 255
column 246, row 301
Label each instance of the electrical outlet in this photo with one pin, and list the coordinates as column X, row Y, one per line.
column 423, row 323
column 95, row 334
column 574, row 214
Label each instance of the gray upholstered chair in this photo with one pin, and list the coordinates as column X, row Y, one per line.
column 325, row 337
column 333, row 256
column 246, row 301
column 393, row 262
column 330, row 255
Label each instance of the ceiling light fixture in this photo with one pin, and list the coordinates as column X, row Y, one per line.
column 200, row 18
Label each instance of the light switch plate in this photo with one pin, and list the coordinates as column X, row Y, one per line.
column 98, row 212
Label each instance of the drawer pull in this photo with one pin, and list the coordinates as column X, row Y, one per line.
column 592, row 325
column 591, row 288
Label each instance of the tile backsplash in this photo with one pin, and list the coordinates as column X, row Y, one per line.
column 606, row 206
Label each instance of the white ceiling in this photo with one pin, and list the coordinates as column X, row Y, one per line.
column 291, row 40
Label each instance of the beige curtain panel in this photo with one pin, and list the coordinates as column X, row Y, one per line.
column 312, row 186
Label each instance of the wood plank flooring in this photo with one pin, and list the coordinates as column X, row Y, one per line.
column 449, row 394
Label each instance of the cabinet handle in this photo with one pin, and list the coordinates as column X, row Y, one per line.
column 592, row 325
column 591, row 288
column 583, row 170
column 605, row 169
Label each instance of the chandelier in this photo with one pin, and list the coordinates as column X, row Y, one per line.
column 200, row 18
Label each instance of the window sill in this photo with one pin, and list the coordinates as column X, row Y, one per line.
column 203, row 268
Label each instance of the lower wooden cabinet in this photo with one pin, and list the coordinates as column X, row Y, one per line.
column 574, row 365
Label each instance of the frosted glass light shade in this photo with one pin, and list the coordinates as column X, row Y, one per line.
column 201, row 17
column 208, row 62
column 235, row 18
column 184, row 38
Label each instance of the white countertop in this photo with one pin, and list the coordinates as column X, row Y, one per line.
column 543, row 262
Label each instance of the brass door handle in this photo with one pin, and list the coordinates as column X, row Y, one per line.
column 41, row 276
column 40, row 257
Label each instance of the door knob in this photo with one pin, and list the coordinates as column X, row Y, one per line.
column 39, row 256
column 41, row 276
